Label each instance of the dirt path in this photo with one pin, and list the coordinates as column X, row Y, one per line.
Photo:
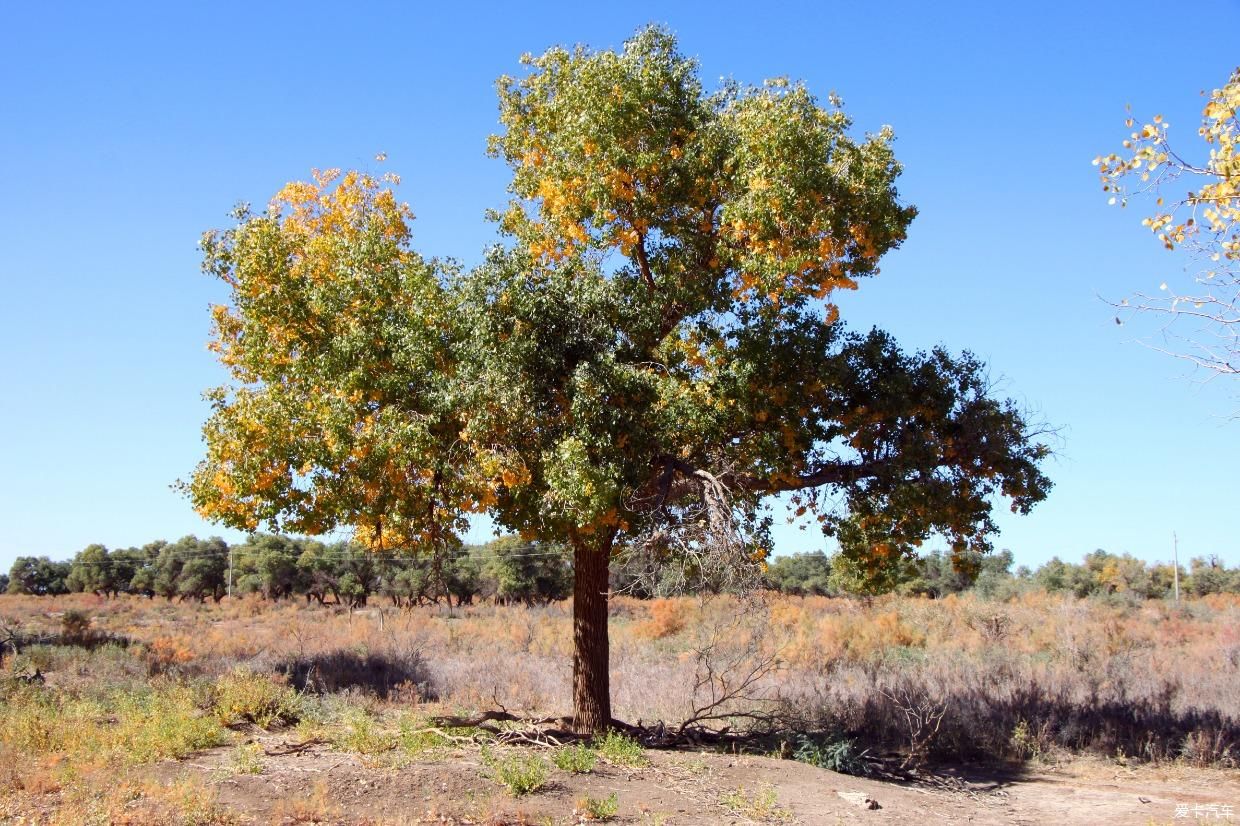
column 320, row 785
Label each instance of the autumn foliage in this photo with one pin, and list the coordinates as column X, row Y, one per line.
column 646, row 354
column 1196, row 199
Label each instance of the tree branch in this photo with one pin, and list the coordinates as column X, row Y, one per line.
column 840, row 474
column 643, row 262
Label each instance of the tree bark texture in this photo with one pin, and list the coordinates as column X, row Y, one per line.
column 591, row 665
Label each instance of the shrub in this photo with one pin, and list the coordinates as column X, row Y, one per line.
column 834, row 755
column 362, row 736
column 415, row 740
column 667, row 618
column 578, row 759
column 1202, row 749
column 262, row 699
column 592, row 808
column 521, row 774
column 131, row 727
column 621, row 750
column 75, row 626
column 1028, row 743
column 248, row 759
column 36, row 721
column 383, row 673
column 166, row 724
column 168, row 654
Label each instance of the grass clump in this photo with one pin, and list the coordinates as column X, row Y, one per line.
column 763, row 806
column 521, row 774
column 133, row 727
column 192, row 804
column 600, row 809
column 248, row 759
column 576, row 759
column 38, row 721
column 415, row 739
column 620, row 749
column 263, row 699
column 317, row 807
column 167, row 722
column 363, row 735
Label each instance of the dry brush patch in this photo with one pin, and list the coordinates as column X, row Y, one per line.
column 911, row 680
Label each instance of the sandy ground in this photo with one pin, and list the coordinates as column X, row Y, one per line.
column 320, row 785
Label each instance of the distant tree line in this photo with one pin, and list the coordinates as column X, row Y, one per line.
column 509, row 570
column 935, row 574
column 281, row 567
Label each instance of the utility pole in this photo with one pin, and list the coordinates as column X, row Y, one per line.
column 1175, row 563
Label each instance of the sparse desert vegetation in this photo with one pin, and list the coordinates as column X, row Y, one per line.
column 107, row 701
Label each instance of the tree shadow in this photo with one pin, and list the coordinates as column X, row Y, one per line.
column 384, row 674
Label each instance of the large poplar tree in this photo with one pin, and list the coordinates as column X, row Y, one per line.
column 648, row 354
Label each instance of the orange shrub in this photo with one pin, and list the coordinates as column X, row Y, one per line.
column 667, row 618
column 163, row 652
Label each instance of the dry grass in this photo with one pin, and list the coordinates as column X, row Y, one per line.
column 1035, row 678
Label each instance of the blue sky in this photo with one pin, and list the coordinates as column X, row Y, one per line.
column 127, row 131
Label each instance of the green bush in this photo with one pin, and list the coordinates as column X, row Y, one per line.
column 262, row 699
column 362, row 735
column 130, row 727
column 415, row 739
column 578, row 759
column 592, row 808
column 835, row 755
column 621, row 750
column 165, row 723
column 521, row 774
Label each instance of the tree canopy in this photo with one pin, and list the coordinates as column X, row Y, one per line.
column 649, row 352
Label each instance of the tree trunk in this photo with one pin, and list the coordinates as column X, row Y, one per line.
column 591, row 665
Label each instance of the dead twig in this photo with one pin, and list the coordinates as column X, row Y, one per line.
column 543, row 731
column 922, row 715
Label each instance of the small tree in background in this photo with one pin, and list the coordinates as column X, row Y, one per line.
column 1208, row 575
column 147, row 558
column 268, row 564
column 512, row 570
column 801, row 574
column 38, row 576
column 93, row 571
column 204, row 568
